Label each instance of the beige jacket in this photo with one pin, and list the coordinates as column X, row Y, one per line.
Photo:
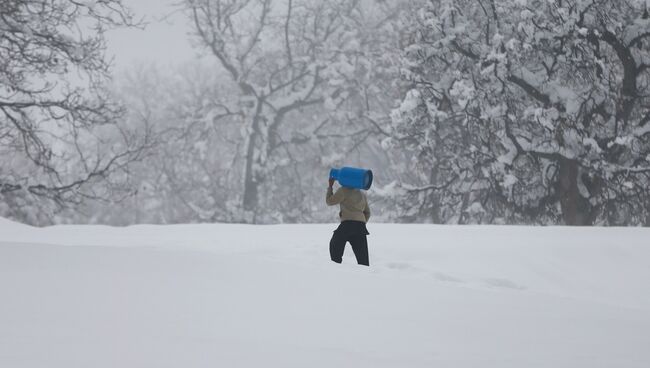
column 354, row 204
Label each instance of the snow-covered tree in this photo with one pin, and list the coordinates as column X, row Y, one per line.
column 296, row 67
column 531, row 111
column 60, row 137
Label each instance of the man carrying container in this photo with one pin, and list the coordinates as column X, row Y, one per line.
column 354, row 212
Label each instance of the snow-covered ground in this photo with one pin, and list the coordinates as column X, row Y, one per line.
column 268, row 296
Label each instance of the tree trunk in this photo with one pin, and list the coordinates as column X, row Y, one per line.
column 250, row 181
column 251, row 176
column 576, row 210
column 250, row 189
column 435, row 196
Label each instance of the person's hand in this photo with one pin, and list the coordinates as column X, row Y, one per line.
column 331, row 181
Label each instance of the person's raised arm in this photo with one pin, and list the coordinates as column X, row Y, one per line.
column 333, row 198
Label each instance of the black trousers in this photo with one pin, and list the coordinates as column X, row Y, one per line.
column 354, row 232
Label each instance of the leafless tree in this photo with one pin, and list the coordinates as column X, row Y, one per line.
column 60, row 132
column 282, row 58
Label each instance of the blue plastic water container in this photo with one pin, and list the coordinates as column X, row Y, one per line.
column 352, row 177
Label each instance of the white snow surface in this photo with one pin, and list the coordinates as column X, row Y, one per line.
column 268, row 296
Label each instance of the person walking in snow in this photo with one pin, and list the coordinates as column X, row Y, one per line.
column 354, row 214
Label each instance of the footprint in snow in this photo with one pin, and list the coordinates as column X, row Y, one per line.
column 504, row 284
column 445, row 278
column 399, row 266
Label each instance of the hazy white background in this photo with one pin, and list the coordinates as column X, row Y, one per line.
column 164, row 39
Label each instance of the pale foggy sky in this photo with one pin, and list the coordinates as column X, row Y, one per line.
column 164, row 40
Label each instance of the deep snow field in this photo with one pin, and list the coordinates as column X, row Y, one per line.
column 267, row 296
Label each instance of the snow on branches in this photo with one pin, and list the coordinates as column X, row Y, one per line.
column 537, row 110
column 59, row 131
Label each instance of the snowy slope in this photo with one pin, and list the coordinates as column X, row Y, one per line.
column 267, row 296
